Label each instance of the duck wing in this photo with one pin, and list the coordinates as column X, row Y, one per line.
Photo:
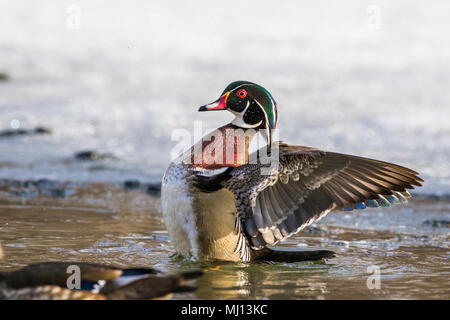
column 304, row 186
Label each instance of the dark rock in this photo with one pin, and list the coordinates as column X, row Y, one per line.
column 430, row 196
column 313, row 230
column 4, row 76
column 87, row 156
column 11, row 133
column 42, row 130
column 90, row 155
column 131, row 185
column 44, row 184
column 153, row 189
column 58, row 193
column 50, row 188
column 29, row 183
column 159, row 237
column 23, row 132
column 34, row 188
column 437, row 223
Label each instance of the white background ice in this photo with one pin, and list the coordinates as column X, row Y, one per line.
column 136, row 70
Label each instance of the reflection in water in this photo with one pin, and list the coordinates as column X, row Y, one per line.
column 262, row 281
column 126, row 229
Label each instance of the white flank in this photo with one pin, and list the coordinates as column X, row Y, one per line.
column 179, row 216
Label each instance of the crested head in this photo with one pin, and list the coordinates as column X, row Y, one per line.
column 252, row 105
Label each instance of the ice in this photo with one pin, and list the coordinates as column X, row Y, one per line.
column 135, row 71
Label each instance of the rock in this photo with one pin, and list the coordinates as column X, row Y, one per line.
column 87, row 156
column 313, row 230
column 4, row 76
column 153, row 189
column 90, row 155
column 48, row 187
column 44, row 184
column 131, row 185
column 12, row 133
column 22, row 132
column 35, row 188
column 431, row 197
column 159, row 237
column 437, row 223
column 42, row 130
column 58, row 193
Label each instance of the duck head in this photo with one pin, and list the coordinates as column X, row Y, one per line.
column 252, row 105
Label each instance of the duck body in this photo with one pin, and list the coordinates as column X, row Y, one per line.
column 49, row 281
column 201, row 224
column 220, row 203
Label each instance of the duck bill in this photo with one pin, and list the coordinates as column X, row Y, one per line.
column 219, row 104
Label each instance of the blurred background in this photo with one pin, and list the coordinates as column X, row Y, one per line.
column 110, row 81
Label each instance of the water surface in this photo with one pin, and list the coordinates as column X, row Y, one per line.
column 408, row 243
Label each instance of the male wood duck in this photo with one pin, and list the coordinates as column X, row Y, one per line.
column 48, row 281
column 219, row 205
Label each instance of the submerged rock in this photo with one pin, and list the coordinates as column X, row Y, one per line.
column 431, row 196
column 51, row 188
column 42, row 130
column 314, row 229
column 23, row 132
column 153, row 189
column 4, row 76
column 99, row 193
column 131, row 185
column 90, row 155
column 34, row 188
column 437, row 223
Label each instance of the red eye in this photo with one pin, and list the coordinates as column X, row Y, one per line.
column 241, row 93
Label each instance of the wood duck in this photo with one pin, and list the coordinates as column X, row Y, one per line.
column 48, row 281
column 218, row 204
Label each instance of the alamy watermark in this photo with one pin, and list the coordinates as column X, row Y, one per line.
column 73, row 20
column 374, row 280
column 373, row 21
column 74, row 280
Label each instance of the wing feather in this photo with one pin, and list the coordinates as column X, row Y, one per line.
column 258, row 218
column 309, row 183
column 275, row 204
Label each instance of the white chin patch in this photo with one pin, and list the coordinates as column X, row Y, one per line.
column 239, row 122
column 210, row 172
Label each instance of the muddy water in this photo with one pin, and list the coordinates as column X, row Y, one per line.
column 408, row 244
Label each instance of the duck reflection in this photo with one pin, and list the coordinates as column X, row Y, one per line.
column 263, row 281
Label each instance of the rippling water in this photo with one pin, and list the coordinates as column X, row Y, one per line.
column 134, row 72
column 409, row 244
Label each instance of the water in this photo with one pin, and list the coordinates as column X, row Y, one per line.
column 409, row 244
column 132, row 73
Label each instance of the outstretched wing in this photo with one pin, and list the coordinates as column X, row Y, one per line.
column 308, row 184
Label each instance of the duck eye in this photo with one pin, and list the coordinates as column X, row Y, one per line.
column 241, row 93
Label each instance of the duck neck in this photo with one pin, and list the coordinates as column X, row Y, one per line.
column 226, row 146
